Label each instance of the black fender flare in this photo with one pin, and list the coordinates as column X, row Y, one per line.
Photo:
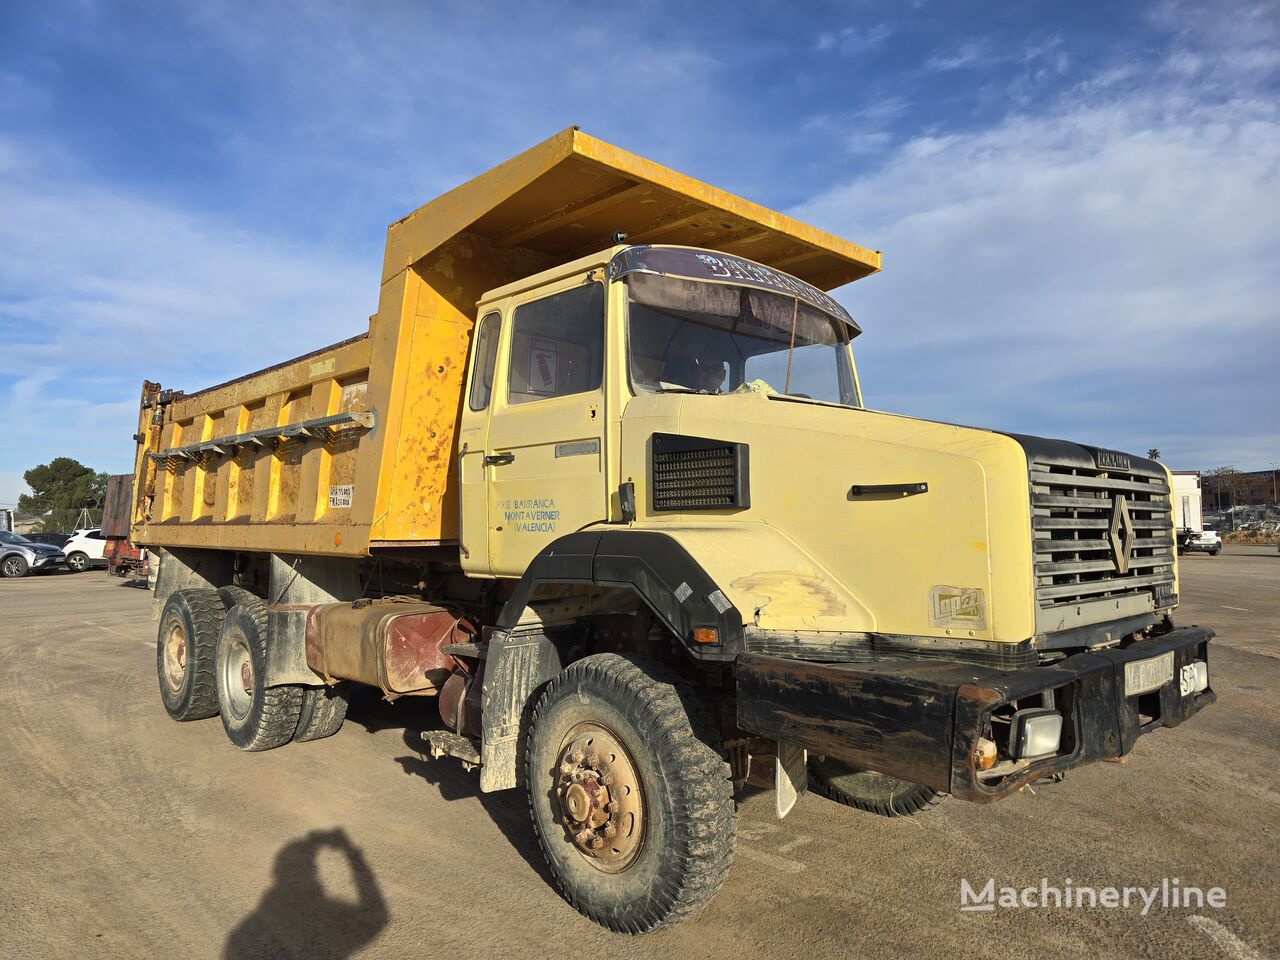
column 654, row 565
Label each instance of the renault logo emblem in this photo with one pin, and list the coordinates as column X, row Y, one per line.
column 1121, row 534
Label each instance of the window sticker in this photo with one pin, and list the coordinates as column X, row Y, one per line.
column 542, row 366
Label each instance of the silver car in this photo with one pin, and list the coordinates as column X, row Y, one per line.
column 19, row 556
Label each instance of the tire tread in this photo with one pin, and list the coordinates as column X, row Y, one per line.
column 679, row 730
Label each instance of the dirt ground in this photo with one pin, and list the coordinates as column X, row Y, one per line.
column 123, row 834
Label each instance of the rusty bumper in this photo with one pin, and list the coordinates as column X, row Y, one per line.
column 921, row 719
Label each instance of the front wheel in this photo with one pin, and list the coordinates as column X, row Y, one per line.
column 873, row 792
column 14, row 567
column 630, row 797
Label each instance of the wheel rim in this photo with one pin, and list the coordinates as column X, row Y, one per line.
column 12, row 567
column 76, row 563
column 599, row 798
column 175, row 655
column 237, row 678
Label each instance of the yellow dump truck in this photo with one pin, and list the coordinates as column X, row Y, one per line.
column 600, row 479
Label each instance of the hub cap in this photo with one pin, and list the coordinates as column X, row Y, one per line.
column 600, row 801
column 236, row 694
column 175, row 656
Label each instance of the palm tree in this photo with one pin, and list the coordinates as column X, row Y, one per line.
column 1153, row 453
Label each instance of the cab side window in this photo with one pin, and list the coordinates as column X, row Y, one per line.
column 486, row 356
column 557, row 345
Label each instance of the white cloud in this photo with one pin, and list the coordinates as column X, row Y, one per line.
column 1107, row 266
column 101, row 288
column 852, row 41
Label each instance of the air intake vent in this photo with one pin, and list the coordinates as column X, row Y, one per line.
column 693, row 473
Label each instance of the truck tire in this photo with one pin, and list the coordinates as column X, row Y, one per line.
column 231, row 595
column 186, row 643
column 14, row 566
column 323, row 710
column 630, row 797
column 870, row 791
column 77, row 562
column 255, row 717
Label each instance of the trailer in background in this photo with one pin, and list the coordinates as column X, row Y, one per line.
column 123, row 558
column 1187, row 504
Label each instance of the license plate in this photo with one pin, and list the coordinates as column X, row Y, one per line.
column 1143, row 676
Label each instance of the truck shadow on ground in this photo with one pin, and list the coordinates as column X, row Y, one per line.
column 299, row 917
column 508, row 809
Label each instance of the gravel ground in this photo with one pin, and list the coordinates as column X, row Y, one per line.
column 127, row 835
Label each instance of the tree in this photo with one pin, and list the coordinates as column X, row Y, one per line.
column 62, row 484
column 1153, row 453
column 1226, row 483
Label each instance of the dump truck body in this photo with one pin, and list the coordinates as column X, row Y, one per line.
column 600, row 479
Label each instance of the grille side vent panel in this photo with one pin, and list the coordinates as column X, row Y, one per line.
column 696, row 473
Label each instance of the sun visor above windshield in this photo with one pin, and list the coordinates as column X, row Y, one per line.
column 693, row 264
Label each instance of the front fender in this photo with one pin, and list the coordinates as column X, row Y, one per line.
column 774, row 584
column 656, row 565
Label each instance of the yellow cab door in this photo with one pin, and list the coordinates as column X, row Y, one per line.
column 545, row 448
column 473, row 435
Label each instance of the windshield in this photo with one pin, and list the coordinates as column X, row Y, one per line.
column 688, row 336
column 7, row 537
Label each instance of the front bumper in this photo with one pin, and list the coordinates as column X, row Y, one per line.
column 50, row 562
column 920, row 719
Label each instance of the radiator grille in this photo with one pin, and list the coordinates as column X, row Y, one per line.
column 1100, row 533
column 693, row 473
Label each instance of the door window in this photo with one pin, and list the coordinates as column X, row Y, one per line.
column 486, row 355
column 557, row 345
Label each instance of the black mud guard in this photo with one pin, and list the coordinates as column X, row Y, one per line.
column 654, row 565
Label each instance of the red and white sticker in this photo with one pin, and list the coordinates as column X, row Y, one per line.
column 542, row 366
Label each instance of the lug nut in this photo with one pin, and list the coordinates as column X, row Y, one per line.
column 612, row 806
column 593, row 760
column 574, row 757
column 610, row 831
column 597, row 843
column 607, row 780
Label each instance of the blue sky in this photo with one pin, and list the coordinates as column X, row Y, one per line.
column 1079, row 204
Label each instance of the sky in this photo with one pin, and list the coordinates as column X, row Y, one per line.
column 1078, row 204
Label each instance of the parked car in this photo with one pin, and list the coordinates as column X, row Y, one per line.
column 1204, row 541
column 52, row 539
column 86, row 549
column 19, row 556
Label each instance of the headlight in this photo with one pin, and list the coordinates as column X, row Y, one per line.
column 1036, row 732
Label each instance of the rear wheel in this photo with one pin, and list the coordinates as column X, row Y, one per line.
column 186, row 643
column 14, row 567
column 323, row 710
column 630, row 797
column 874, row 792
column 77, row 562
column 255, row 717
